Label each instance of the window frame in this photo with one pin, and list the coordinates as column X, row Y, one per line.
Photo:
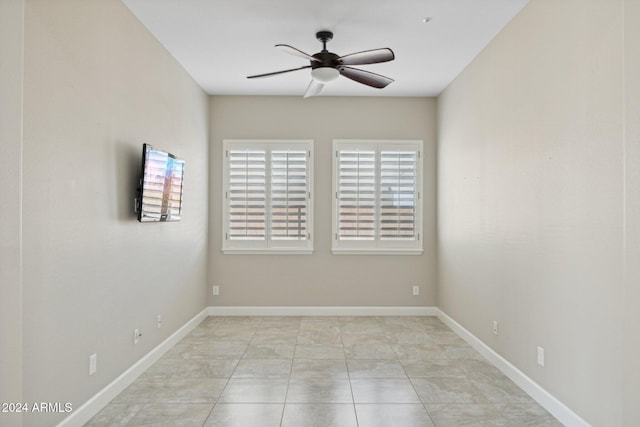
column 268, row 245
column 378, row 246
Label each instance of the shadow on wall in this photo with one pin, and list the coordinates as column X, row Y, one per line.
column 128, row 166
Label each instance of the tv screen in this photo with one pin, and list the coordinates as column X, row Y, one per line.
column 160, row 197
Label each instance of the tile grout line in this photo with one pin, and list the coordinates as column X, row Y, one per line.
column 217, row 401
column 286, row 394
column 346, row 363
column 413, row 386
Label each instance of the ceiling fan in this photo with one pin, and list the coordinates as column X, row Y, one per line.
column 327, row 66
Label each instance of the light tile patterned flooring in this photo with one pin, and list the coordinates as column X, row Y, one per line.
column 323, row 371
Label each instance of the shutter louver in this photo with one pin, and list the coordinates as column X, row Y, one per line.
column 289, row 190
column 356, row 195
column 398, row 195
column 247, row 171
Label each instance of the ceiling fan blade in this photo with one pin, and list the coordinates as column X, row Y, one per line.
column 367, row 57
column 313, row 89
column 257, row 76
column 365, row 77
column 296, row 52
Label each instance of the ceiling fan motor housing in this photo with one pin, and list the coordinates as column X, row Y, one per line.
column 325, row 59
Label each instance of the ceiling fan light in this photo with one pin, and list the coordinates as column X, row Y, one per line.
column 324, row 74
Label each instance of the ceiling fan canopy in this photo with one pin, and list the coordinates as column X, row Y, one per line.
column 327, row 66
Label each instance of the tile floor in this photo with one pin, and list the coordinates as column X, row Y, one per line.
column 323, row 371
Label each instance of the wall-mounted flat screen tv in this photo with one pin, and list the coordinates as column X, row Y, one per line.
column 160, row 192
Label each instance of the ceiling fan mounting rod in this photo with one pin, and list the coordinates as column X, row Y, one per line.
column 324, row 37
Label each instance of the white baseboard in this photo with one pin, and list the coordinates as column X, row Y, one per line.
column 322, row 311
column 565, row 415
column 94, row 405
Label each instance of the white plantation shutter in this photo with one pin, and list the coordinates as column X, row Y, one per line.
column 289, row 189
column 246, row 194
column 377, row 204
column 398, row 193
column 356, row 194
column 267, row 196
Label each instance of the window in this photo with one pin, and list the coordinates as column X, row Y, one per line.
column 377, row 187
column 267, row 196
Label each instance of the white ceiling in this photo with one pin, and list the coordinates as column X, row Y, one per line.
column 220, row 42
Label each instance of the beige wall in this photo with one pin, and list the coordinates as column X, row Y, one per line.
column 96, row 86
column 632, row 214
column 11, row 40
column 322, row 279
column 531, row 200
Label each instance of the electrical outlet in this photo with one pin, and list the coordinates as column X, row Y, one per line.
column 416, row 290
column 495, row 327
column 136, row 336
column 159, row 321
column 216, row 290
column 540, row 356
column 93, row 364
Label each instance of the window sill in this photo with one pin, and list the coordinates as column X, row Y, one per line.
column 267, row 251
column 385, row 251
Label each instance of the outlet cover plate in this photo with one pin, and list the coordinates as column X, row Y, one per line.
column 540, row 356
column 93, row 364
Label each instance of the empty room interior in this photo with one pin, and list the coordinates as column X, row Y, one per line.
column 508, row 299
